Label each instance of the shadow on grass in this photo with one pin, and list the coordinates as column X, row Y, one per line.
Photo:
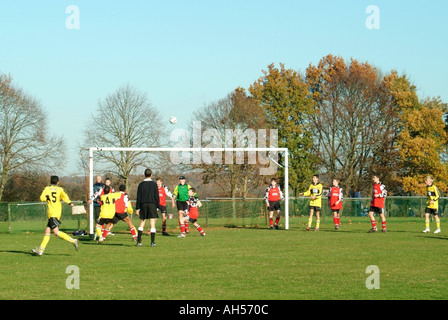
column 108, row 244
column 433, row 237
column 30, row 253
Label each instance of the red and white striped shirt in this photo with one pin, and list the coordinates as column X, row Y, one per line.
column 334, row 196
column 380, row 190
column 163, row 192
column 273, row 193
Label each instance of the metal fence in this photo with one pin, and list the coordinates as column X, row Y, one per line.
column 216, row 212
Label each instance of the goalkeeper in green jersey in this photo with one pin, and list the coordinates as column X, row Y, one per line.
column 180, row 193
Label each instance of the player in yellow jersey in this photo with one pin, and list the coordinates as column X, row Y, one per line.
column 53, row 195
column 315, row 194
column 432, row 204
column 107, row 213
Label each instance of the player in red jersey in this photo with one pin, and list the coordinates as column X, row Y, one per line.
column 272, row 197
column 163, row 193
column 379, row 194
column 122, row 208
column 335, row 198
column 192, row 213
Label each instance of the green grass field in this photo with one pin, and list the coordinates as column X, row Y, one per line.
column 235, row 264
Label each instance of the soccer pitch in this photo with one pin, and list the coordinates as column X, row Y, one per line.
column 234, row 264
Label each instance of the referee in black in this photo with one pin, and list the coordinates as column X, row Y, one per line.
column 146, row 206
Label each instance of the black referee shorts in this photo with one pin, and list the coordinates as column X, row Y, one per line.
column 148, row 211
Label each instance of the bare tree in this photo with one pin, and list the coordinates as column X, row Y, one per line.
column 24, row 140
column 354, row 124
column 239, row 113
column 125, row 119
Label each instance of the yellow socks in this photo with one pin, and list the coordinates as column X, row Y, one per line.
column 310, row 222
column 44, row 243
column 98, row 231
column 65, row 236
column 47, row 236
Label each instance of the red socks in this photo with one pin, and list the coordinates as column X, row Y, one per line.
column 201, row 231
column 271, row 221
column 182, row 229
column 337, row 221
column 134, row 233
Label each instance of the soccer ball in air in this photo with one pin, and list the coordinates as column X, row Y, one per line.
column 173, row 119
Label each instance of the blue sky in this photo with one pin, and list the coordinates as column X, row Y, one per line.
column 186, row 54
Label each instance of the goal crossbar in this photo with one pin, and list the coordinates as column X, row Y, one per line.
column 173, row 149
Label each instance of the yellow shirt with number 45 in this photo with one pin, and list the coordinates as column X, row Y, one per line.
column 53, row 195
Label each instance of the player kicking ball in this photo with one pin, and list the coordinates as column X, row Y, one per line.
column 122, row 208
column 192, row 213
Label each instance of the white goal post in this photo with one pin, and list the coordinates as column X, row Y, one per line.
column 266, row 149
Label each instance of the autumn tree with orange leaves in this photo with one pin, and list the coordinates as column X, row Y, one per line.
column 355, row 123
column 423, row 137
column 366, row 123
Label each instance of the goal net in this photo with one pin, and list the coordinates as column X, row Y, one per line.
column 209, row 156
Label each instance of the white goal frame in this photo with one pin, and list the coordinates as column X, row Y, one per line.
column 286, row 167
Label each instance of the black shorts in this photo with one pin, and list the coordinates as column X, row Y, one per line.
column 162, row 209
column 182, row 205
column 376, row 209
column 432, row 211
column 148, row 211
column 119, row 217
column 335, row 211
column 53, row 223
column 96, row 211
column 274, row 205
column 190, row 219
column 102, row 221
column 315, row 208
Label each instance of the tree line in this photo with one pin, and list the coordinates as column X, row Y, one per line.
column 342, row 119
